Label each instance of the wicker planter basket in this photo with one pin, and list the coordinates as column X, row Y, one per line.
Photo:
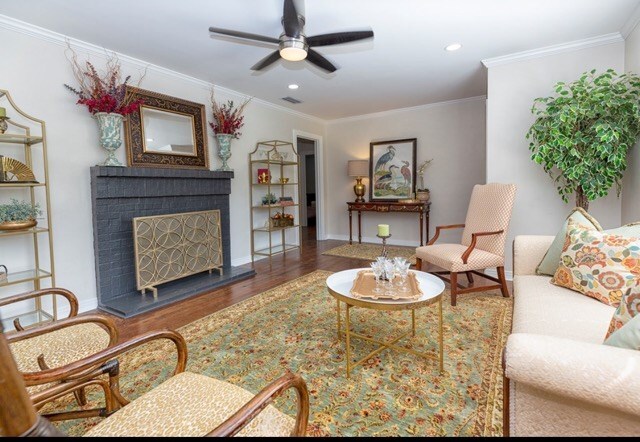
column 280, row 222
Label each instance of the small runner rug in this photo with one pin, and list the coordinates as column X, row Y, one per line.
column 293, row 326
column 369, row 252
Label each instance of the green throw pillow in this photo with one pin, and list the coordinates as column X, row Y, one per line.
column 632, row 229
column 551, row 260
column 628, row 336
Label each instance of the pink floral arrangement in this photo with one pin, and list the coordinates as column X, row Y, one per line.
column 226, row 118
column 102, row 93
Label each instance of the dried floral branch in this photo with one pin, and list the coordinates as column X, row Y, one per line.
column 421, row 170
column 226, row 119
column 105, row 92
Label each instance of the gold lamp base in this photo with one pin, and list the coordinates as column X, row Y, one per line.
column 359, row 189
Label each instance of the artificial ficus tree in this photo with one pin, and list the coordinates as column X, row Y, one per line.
column 582, row 135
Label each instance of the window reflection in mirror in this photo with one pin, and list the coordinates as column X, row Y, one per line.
column 168, row 132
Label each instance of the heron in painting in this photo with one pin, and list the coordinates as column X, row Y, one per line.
column 385, row 180
column 384, row 159
column 406, row 172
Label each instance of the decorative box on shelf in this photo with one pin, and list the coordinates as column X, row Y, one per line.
column 264, row 176
column 286, row 201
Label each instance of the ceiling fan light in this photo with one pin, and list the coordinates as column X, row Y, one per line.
column 293, row 54
column 293, row 49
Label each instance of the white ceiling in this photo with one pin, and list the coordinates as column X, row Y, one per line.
column 404, row 65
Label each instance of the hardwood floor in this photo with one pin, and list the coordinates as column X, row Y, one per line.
column 281, row 269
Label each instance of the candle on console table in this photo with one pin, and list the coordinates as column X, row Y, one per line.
column 383, row 229
column 3, row 112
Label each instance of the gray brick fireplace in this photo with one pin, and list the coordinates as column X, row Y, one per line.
column 118, row 195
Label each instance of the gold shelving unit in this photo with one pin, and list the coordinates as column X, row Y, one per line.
column 34, row 155
column 282, row 161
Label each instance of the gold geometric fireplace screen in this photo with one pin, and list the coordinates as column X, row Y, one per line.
column 170, row 247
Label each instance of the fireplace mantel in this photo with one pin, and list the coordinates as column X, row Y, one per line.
column 118, row 195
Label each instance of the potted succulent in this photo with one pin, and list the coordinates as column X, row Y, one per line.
column 422, row 193
column 269, row 199
column 18, row 215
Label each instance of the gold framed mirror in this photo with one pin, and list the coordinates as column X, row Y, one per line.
column 166, row 132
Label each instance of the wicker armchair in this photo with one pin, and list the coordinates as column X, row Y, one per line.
column 186, row 404
column 60, row 343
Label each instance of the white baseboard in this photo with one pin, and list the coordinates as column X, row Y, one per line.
column 508, row 274
column 375, row 240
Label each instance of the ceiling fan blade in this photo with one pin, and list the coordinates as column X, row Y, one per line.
column 290, row 19
column 320, row 61
column 245, row 35
column 266, row 61
column 337, row 38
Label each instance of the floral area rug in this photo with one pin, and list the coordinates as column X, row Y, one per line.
column 370, row 252
column 293, row 326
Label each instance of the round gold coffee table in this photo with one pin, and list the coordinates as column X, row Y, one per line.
column 340, row 284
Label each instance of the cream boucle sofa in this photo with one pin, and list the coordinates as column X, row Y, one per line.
column 562, row 380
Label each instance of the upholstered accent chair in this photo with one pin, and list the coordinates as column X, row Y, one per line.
column 186, row 404
column 60, row 343
column 483, row 241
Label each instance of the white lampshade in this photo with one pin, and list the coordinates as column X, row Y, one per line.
column 358, row 168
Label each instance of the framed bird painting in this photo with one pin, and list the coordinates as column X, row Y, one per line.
column 392, row 173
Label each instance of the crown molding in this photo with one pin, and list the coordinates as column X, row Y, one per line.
column 15, row 25
column 405, row 109
column 600, row 40
column 631, row 22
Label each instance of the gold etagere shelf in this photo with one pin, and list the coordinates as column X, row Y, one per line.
column 281, row 162
column 33, row 145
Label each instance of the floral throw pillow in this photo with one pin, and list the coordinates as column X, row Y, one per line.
column 599, row 265
column 627, row 310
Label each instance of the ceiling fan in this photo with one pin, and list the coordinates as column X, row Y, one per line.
column 293, row 44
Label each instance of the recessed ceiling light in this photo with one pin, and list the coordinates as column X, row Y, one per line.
column 453, row 47
column 293, row 86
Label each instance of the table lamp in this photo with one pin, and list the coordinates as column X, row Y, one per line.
column 358, row 169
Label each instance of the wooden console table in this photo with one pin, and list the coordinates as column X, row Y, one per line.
column 422, row 208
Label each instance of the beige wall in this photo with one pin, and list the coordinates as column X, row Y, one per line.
column 453, row 134
column 511, row 91
column 34, row 72
column 631, row 182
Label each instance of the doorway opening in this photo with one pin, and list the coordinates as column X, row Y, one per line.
column 309, row 187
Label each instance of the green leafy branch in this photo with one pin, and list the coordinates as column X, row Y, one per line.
column 582, row 135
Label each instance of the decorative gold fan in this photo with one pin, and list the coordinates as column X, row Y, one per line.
column 15, row 171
